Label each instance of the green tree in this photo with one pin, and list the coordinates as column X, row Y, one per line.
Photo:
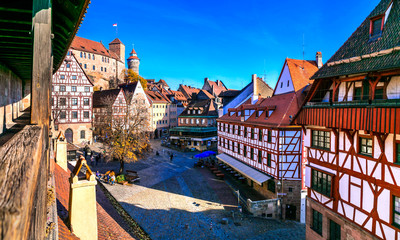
column 126, row 131
column 131, row 77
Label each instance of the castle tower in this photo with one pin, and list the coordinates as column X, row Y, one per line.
column 133, row 61
column 118, row 48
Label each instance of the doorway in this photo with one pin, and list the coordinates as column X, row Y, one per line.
column 290, row 212
column 69, row 135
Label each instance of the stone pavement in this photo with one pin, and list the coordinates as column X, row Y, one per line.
column 173, row 200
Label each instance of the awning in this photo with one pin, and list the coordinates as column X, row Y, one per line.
column 244, row 169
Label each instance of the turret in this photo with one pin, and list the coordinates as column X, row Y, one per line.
column 118, row 48
column 133, row 61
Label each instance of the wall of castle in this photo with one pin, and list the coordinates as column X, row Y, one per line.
column 99, row 65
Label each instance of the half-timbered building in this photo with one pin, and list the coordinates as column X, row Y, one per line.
column 71, row 102
column 108, row 106
column 197, row 124
column 259, row 141
column 352, row 135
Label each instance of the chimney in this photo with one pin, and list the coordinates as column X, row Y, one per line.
column 82, row 202
column 318, row 59
column 61, row 151
column 205, row 80
column 254, row 98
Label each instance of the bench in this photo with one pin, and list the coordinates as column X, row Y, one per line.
column 132, row 176
column 220, row 175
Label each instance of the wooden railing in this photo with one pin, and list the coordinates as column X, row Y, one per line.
column 377, row 117
column 23, row 183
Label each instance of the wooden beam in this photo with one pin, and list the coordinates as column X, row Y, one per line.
column 42, row 66
column 373, row 84
column 351, row 79
column 336, row 85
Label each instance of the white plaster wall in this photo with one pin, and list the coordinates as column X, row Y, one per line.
column 284, row 78
column 383, row 202
column 238, row 100
column 393, row 88
column 343, row 187
column 389, row 147
column 342, row 92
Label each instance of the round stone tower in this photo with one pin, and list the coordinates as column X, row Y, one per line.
column 133, row 61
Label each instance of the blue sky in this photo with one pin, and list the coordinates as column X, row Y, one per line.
column 185, row 41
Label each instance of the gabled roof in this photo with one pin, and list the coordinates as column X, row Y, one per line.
column 102, row 98
column 129, row 89
column 301, row 71
column 208, row 107
column 206, row 94
column 217, row 86
column 80, row 67
column 178, row 95
column 283, row 106
column 360, row 54
column 116, row 41
column 86, row 45
column 188, row 90
column 156, row 97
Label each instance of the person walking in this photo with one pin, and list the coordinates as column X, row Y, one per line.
column 171, row 156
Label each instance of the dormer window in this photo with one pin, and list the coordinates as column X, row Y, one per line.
column 376, row 27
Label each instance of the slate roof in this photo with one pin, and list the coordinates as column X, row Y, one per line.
column 229, row 93
column 128, row 88
column 109, row 222
column 86, row 45
column 206, row 93
column 359, row 45
column 100, row 98
column 283, row 106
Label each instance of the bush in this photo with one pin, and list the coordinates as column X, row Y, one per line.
column 120, row 178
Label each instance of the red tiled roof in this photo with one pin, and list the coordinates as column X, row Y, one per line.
column 188, row 90
column 109, row 223
column 179, row 95
column 114, row 55
column 217, row 86
column 86, row 45
column 156, row 97
column 133, row 57
column 116, row 41
column 133, row 51
column 301, row 72
column 283, row 106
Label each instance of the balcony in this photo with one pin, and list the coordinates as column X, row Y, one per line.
column 379, row 116
column 358, row 103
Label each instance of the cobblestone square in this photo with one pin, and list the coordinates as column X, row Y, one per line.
column 173, row 200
